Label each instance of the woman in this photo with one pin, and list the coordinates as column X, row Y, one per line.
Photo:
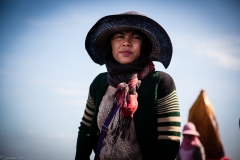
column 132, row 111
column 191, row 148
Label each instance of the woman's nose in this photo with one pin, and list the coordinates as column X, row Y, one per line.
column 127, row 42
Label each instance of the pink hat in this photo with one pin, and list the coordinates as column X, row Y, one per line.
column 190, row 129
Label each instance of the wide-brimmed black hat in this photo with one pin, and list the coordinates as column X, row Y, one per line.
column 97, row 45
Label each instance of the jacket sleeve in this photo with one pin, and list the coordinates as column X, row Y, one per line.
column 168, row 119
column 199, row 153
column 178, row 156
column 88, row 130
column 84, row 145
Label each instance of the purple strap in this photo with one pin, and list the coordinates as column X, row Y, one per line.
column 104, row 129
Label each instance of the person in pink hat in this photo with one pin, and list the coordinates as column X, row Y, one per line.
column 191, row 147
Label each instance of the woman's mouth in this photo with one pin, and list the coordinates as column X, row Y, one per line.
column 125, row 52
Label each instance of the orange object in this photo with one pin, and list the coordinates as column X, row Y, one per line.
column 202, row 115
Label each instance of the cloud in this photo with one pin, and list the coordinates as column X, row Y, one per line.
column 69, row 17
column 225, row 51
column 59, row 83
column 61, row 136
column 77, row 102
column 66, row 88
column 67, row 91
column 30, row 132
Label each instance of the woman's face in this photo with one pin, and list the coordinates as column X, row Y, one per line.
column 188, row 138
column 126, row 46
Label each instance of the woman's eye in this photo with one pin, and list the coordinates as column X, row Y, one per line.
column 118, row 36
column 136, row 37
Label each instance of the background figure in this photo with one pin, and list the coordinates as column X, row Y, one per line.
column 191, row 147
column 202, row 115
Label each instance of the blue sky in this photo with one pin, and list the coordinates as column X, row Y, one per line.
column 45, row 70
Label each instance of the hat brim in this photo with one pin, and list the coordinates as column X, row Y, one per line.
column 188, row 132
column 97, row 46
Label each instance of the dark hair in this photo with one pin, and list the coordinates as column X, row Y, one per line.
column 146, row 47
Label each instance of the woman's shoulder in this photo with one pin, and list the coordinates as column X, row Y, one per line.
column 99, row 85
column 163, row 76
column 101, row 75
column 100, row 78
column 166, row 84
column 165, row 80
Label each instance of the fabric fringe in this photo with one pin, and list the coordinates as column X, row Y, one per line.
column 122, row 128
column 126, row 99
